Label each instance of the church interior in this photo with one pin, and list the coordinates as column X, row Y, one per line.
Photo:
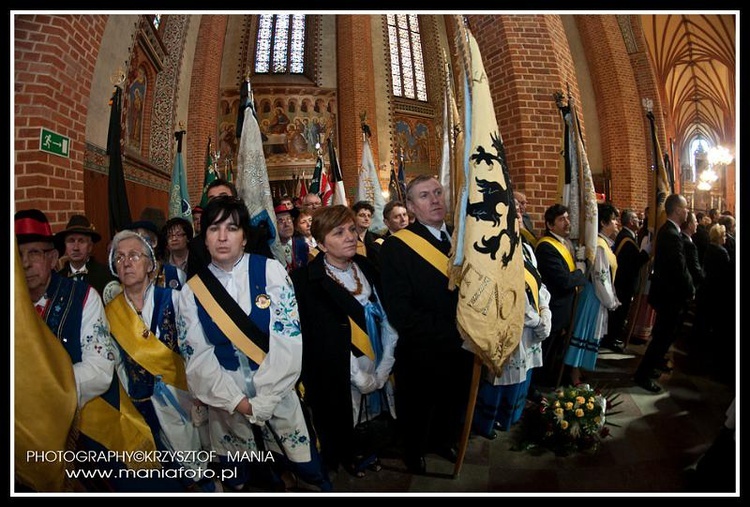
column 634, row 78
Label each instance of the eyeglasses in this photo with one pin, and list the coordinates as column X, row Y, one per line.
column 132, row 257
column 176, row 235
column 35, row 255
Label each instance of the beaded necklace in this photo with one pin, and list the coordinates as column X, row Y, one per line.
column 330, row 269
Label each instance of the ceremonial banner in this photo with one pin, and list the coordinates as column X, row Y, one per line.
column 582, row 209
column 252, row 175
column 45, row 398
column 179, row 200
column 209, row 175
column 339, row 194
column 491, row 282
column 119, row 209
column 369, row 186
column 656, row 214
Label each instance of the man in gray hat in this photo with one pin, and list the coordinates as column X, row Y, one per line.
column 76, row 242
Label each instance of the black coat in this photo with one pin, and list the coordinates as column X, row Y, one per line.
column 326, row 346
column 432, row 371
column 692, row 260
column 560, row 282
column 671, row 283
column 630, row 259
column 417, row 300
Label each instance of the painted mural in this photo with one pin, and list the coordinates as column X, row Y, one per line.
column 413, row 140
column 291, row 123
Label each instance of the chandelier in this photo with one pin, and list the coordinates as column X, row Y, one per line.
column 718, row 156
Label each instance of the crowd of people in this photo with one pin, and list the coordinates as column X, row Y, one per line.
column 269, row 365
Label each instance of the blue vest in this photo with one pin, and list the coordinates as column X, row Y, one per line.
column 261, row 317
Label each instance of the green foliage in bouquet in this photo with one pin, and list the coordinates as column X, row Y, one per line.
column 569, row 420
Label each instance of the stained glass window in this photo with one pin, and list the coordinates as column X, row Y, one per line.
column 280, row 47
column 156, row 20
column 407, row 64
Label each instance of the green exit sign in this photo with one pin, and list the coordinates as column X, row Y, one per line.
column 54, row 143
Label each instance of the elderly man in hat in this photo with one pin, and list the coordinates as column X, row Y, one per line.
column 71, row 309
column 76, row 242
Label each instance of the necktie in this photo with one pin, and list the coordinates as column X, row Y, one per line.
column 82, row 272
column 445, row 243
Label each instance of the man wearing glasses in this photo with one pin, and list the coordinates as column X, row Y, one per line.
column 73, row 310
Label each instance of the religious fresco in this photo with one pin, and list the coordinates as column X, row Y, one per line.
column 291, row 123
column 413, row 137
column 135, row 98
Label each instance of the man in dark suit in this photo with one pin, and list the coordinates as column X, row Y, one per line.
column 671, row 291
column 432, row 370
column 76, row 242
column 630, row 259
column 562, row 273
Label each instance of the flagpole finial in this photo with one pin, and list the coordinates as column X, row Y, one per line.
column 365, row 126
column 559, row 99
column 648, row 105
column 117, row 77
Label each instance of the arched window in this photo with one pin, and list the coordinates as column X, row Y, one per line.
column 280, row 48
column 699, row 149
column 407, row 64
column 156, row 21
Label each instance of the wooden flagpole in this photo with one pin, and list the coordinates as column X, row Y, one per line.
column 466, row 431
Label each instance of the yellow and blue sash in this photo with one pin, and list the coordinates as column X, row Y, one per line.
column 425, row 249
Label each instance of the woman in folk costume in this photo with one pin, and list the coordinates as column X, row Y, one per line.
column 240, row 336
column 143, row 323
column 502, row 398
column 348, row 342
column 596, row 300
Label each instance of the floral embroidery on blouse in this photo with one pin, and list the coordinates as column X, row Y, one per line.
column 286, row 314
column 100, row 341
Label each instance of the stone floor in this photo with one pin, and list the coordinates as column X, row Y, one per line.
column 658, row 438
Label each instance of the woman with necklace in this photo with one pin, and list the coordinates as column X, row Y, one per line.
column 143, row 323
column 348, row 342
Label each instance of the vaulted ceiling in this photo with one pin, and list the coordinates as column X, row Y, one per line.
column 694, row 56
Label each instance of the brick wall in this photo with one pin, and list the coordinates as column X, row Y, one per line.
column 527, row 60
column 54, row 59
column 203, row 110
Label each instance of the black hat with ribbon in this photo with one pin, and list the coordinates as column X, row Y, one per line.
column 32, row 225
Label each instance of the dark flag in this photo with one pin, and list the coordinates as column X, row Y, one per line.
column 119, row 209
column 656, row 214
column 209, row 175
column 339, row 194
column 401, row 177
column 314, row 186
column 393, row 187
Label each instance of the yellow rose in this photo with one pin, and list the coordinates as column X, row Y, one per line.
column 556, row 404
column 580, row 400
column 590, row 406
column 591, row 399
column 564, row 424
column 569, row 405
column 558, row 412
column 598, row 420
column 579, row 412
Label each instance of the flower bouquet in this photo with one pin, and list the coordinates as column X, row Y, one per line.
column 569, row 420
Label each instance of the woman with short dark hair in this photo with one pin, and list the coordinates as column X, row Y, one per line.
column 348, row 342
